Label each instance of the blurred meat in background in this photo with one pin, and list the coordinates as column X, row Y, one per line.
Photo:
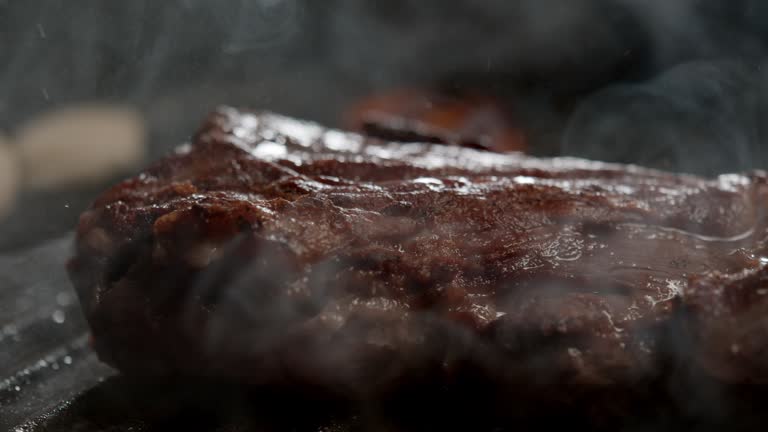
column 413, row 115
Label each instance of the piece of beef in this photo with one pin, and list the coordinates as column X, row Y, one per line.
column 473, row 121
column 274, row 251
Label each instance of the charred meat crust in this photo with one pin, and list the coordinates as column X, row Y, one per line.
column 271, row 250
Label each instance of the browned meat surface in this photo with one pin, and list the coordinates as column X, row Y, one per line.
column 271, row 250
column 432, row 117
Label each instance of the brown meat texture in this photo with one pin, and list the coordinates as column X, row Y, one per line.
column 467, row 120
column 274, row 251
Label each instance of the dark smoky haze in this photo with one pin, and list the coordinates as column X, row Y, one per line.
column 674, row 85
column 677, row 85
column 638, row 74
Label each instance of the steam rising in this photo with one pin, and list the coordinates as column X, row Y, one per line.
column 674, row 85
column 56, row 52
column 699, row 117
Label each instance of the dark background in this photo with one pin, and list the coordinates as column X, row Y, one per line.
column 678, row 85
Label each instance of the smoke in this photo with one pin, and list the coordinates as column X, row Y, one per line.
column 700, row 117
column 673, row 85
column 59, row 51
column 255, row 24
column 312, row 60
column 429, row 40
column 701, row 111
column 171, row 60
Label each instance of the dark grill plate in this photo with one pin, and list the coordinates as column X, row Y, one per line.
column 45, row 361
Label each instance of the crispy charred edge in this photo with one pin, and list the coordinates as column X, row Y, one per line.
column 217, row 120
column 220, row 122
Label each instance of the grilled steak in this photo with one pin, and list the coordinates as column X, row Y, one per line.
column 272, row 251
column 410, row 115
